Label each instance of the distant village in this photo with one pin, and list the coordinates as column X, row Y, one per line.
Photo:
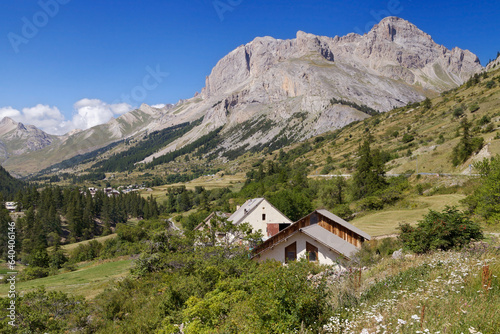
column 109, row 191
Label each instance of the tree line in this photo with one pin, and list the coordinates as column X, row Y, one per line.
column 54, row 214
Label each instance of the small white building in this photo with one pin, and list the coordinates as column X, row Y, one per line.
column 11, row 206
column 320, row 237
column 261, row 215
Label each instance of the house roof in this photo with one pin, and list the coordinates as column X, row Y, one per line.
column 323, row 236
column 304, row 223
column 330, row 240
column 245, row 210
column 248, row 207
column 342, row 222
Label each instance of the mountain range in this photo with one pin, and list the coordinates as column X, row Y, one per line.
column 269, row 93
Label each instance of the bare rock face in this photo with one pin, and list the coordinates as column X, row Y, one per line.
column 16, row 138
column 494, row 64
column 282, row 89
column 394, row 49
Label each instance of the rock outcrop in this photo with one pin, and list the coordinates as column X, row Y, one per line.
column 493, row 64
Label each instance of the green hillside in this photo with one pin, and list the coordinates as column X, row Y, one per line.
column 8, row 184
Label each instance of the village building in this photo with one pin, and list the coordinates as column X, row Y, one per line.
column 261, row 215
column 320, row 237
column 206, row 223
column 11, row 206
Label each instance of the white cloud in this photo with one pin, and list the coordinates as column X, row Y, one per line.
column 87, row 113
column 9, row 112
column 159, row 106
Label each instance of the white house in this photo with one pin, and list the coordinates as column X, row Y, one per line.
column 11, row 206
column 261, row 215
column 321, row 236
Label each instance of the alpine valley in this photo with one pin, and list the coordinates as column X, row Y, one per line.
column 266, row 94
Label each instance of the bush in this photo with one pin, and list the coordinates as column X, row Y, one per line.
column 58, row 259
column 407, row 138
column 440, row 230
column 458, row 111
column 371, row 203
column 343, row 211
column 87, row 252
column 483, row 120
column 440, row 139
column 374, row 250
column 474, row 107
column 33, row 273
column 48, row 312
column 490, row 84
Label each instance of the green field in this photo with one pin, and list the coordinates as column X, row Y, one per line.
column 234, row 182
column 89, row 280
column 68, row 248
column 386, row 221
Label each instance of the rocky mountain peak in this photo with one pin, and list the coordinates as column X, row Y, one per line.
column 394, row 48
column 7, row 120
column 396, row 29
column 21, row 127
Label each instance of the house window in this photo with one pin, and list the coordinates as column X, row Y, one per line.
column 263, row 216
column 291, row 252
column 312, row 252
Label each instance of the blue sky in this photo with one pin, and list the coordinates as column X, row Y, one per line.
column 76, row 63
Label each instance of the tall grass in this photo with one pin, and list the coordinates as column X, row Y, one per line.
column 443, row 292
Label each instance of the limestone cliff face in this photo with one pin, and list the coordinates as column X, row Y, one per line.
column 393, row 49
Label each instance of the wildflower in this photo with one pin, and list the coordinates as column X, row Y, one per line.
column 378, row 318
column 401, row 322
column 415, row 317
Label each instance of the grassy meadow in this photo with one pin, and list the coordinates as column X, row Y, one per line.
column 88, row 280
column 377, row 223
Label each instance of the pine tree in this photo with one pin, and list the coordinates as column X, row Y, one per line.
column 467, row 144
column 369, row 175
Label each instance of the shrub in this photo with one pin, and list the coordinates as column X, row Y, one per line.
column 427, row 103
column 440, row 139
column 484, row 201
column 440, row 230
column 483, row 120
column 489, row 128
column 343, row 211
column 458, row 111
column 371, row 203
column 374, row 250
column 474, row 107
column 407, row 138
column 87, row 252
column 33, row 273
column 490, row 84
column 49, row 312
